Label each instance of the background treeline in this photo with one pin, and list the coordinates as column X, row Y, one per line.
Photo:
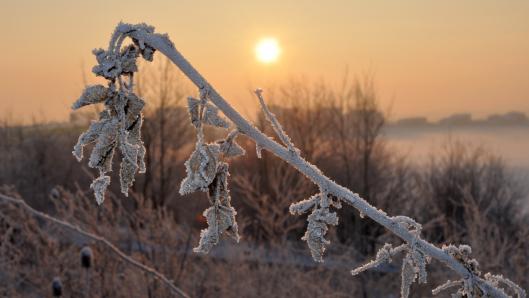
column 462, row 195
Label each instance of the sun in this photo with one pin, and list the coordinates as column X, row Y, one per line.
column 267, row 50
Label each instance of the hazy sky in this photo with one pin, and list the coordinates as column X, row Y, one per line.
column 429, row 57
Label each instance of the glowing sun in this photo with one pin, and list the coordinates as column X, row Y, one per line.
column 267, row 50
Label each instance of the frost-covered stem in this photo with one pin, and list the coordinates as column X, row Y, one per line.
column 165, row 46
column 104, row 241
column 275, row 124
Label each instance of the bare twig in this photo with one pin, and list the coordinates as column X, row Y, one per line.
column 102, row 240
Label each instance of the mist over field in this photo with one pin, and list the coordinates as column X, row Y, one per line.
column 264, row 149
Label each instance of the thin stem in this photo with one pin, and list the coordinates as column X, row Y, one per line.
column 105, row 242
column 285, row 139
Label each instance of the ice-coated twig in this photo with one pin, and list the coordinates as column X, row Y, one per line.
column 145, row 37
column 447, row 285
column 278, row 129
column 497, row 279
column 129, row 260
column 384, row 255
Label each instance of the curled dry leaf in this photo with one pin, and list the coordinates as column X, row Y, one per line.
column 316, row 231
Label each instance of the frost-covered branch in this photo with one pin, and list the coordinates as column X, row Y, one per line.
column 206, row 163
column 285, row 139
column 21, row 203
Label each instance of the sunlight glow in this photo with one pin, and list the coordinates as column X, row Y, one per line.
column 267, row 50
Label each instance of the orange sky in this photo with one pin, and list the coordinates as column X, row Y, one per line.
column 430, row 58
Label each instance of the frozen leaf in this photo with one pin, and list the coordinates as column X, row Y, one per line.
column 220, row 216
column 90, row 135
column 133, row 107
column 103, row 151
column 108, row 66
column 134, row 138
column 193, row 106
column 99, row 186
column 201, row 168
column 129, row 165
column 316, row 231
column 119, row 126
column 220, row 219
column 128, row 59
column 92, row 95
column 211, row 117
column 408, row 276
column 229, row 147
